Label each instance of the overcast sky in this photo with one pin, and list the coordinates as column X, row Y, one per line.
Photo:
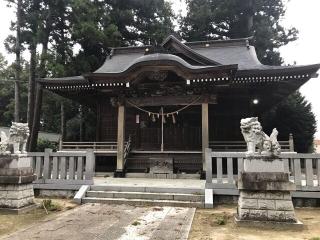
column 302, row 14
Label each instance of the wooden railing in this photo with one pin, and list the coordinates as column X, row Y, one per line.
column 222, row 170
column 97, row 146
column 241, row 146
column 63, row 170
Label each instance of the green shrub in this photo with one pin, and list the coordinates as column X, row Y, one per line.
column 43, row 144
column 221, row 220
column 50, row 206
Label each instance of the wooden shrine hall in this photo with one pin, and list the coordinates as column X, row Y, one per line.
column 174, row 99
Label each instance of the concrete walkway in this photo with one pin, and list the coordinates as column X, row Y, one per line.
column 111, row 222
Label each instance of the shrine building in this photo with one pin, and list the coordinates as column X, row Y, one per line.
column 174, row 100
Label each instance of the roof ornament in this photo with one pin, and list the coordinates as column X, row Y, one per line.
column 156, row 48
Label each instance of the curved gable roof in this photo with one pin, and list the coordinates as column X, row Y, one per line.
column 156, row 57
column 208, row 53
column 204, row 56
column 119, row 62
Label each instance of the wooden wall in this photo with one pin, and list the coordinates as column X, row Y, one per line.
column 224, row 125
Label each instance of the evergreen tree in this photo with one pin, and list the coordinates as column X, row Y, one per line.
column 7, row 90
column 142, row 22
column 224, row 19
column 96, row 25
column 294, row 115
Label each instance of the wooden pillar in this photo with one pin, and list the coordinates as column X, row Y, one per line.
column 120, row 141
column 205, row 132
column 81, row 123
column 62, row 122
column 98, row 123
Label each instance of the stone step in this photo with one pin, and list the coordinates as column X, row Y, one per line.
column 143, row 202
column 116, row 188
column 146, row 195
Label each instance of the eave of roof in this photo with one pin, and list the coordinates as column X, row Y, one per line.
column 64, row 80
column 281, row 70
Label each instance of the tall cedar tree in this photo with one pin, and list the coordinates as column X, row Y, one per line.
column 225, row 19
column 95, row 26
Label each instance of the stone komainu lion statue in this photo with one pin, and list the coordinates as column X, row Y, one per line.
column 251, row 130
column 18, row 137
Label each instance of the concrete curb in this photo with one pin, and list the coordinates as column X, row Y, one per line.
column 187, row 228
column 81, row 194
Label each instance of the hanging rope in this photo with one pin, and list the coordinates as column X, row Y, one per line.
column 161, row 113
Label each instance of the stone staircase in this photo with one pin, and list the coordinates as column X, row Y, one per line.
column 152, row 196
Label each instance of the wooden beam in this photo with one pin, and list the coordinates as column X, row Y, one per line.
column 171, row 100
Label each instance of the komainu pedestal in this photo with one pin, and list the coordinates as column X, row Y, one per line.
column 16, row 177
column 264, row 186
column 16, row 174
column 265, row 195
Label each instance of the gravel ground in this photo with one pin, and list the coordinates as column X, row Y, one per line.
column 218, row 224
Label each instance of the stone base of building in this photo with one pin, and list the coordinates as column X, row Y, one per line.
column 16, row 177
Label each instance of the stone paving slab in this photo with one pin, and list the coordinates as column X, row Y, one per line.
column 112, row 222
column 150, row 182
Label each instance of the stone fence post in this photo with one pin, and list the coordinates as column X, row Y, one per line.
column 90, row 164
column 46, row 166
column 208, row 160
column 291, row 143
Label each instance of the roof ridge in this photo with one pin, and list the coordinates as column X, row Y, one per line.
column 130, row 49
column 212, row 43
column 221, row 42
column 186, row 48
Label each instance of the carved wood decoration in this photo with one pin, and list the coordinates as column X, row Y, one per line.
column 172, row 100
column 158, row 76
